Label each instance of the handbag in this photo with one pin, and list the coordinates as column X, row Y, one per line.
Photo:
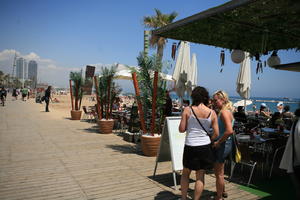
column 296, row 168
column 236, row 153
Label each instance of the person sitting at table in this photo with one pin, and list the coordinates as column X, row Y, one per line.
column 240, row 115
column 288, row 117
column 185, row 103
column 168, row 105
column 263, row 111
column 276, row 120
column 286, row 112
column 280, row 107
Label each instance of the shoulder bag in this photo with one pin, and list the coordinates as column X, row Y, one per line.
column 201, row 125
column 212, row 160
column 236, row 154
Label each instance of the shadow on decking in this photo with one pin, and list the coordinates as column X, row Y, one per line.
column 166, row 195
column 167, row 180
column 126, row 149
column 93, row 129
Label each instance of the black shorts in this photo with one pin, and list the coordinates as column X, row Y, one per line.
column 198, row 157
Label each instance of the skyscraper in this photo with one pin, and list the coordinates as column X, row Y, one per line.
column 21, row 68
column 32, row 72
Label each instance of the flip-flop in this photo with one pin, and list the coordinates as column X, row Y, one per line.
column 225, row 195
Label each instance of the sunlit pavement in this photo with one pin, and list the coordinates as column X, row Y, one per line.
column 44, row 156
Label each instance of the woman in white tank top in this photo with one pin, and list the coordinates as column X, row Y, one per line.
column 197, row 153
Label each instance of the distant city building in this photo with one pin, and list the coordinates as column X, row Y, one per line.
column 21, row 68
column 32, row 72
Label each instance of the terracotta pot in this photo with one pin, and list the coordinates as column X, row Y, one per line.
column 76, row 114
column 106, row 126
column 150, row 145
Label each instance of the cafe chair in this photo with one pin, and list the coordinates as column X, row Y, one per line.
column 246, row 160
column 87, row 114
column 274, row 158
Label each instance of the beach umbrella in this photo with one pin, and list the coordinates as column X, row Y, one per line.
column 123, row 72
column 192, row 76
column 243, row 82
column 180, row 74
column 245, row 102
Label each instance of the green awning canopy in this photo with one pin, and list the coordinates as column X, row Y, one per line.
column 295, row 67
column 255, row 26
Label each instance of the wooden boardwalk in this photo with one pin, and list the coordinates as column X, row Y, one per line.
column 45, row 156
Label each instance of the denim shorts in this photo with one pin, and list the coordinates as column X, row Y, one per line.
column 223, row 151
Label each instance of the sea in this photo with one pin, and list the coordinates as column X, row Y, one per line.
column 271, row 102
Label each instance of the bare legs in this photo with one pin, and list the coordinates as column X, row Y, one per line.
column 184, row 182
column 199, row 185
column 220, row 185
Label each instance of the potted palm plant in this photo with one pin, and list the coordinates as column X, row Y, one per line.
column 108, row 92
column 76, row 83
column 152, row 89
column 151, row 98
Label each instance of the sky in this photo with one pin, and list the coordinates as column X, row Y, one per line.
column 67, row 35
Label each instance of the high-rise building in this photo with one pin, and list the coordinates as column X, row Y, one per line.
column 32, row 72
column 21, row 68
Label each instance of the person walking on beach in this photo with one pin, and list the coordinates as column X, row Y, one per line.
column 28, row 93
column 196, row 120
column 24, row 92
column 3, row 94
column 48, row 97
column 15, row 94
column 223, row 144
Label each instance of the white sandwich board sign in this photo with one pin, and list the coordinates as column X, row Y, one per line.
column 171, row 145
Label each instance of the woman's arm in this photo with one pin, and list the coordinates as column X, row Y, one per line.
column 183, row 122
column 226, row 117
column 215, row 126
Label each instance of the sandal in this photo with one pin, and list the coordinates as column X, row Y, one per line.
column 225, row 195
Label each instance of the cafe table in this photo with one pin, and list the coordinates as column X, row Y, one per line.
column 273, row 130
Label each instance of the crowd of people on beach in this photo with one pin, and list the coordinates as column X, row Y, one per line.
column 24, row 92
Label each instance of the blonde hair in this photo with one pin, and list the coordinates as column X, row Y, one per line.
column 224, row 96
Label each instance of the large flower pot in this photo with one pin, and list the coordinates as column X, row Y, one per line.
column 76, row 114
column 150, row 145
column 106, row 126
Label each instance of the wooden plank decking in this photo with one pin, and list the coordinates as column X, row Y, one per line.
column 45, row 156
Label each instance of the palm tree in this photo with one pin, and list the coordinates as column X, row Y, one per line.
column 108, row 90
column 157, row 21
column 78, row 81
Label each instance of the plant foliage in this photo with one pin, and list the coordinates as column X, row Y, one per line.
column 108, row 90
column 157, row 21
column 77, row 88
column 145, row 76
